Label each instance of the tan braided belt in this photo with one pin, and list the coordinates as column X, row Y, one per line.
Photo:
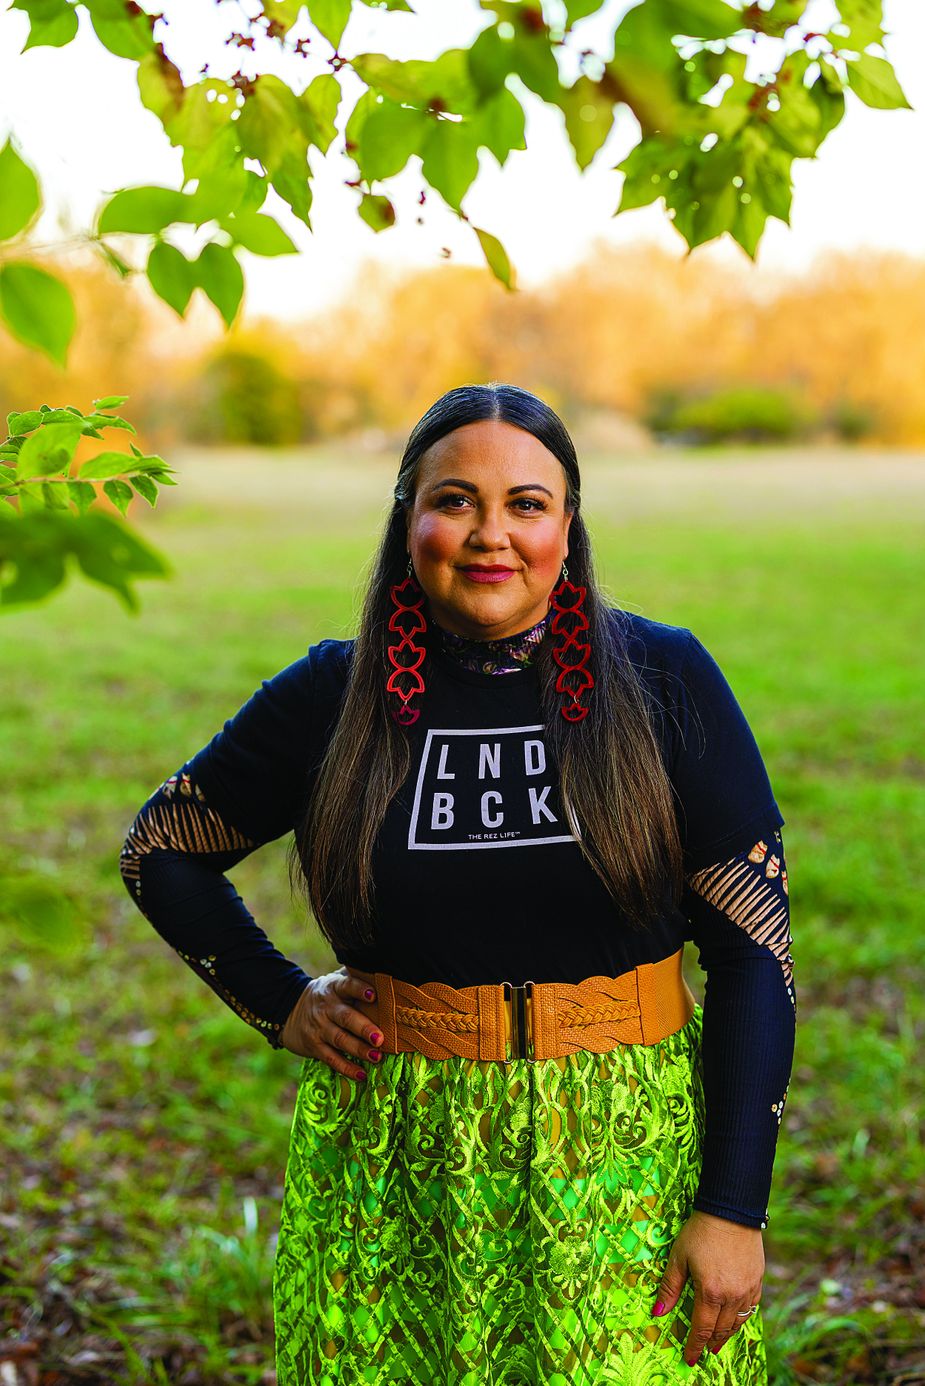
column 533, row 1020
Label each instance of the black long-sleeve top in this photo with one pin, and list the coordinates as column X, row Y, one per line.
column 480, row 780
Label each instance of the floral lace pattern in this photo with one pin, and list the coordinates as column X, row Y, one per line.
column 503, row 656
column 460, row 1221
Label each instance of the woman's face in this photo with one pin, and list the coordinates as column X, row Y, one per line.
column 488, row 530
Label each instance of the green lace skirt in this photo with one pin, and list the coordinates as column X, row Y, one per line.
column 460, row 1223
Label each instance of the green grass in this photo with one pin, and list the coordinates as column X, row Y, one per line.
column 145, row 1126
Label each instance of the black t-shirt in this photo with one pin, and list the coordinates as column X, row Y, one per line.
column 478, row 875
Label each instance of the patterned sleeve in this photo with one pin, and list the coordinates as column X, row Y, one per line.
column 172, row 863
column 739, row 914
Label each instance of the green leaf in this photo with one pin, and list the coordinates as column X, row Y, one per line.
column 283, row 14
column 875, row 82
column 864, row 21
column 146, row 488
column 144, row 210
column 646, row 171
column 259, row 234
column 444, row 84
column 489, row 61
column 588, row 111
column 703, row 19
column 318, row 106
column 110, row 402
column 646, row 72
column 388, row 137
column 797, row 125
column 377, row 211
column 54, row 22
column 290, row 180
column 110, row 553
column 499, row 124
column 497, row 258
column 389, row 5
column 125, row 29
column 749, row 223
column 580, row 9
column 106, row 465
column 106, row 421
column 24, row 423
column 330, row 18
column 171, row 276
column 53, row 494
column 450, row 160
column 48, row 451
column 160, row 86
column 220, row 276
column 204, row 126
column 37, row 308
column 21, row 199
column 829, row 101
column 120, row 493
column 31, row 553
column 270, row 128
column 82, row 494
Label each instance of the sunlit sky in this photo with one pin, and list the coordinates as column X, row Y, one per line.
column 76, row 116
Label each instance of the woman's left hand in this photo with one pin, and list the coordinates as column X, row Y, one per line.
column 725, row 1261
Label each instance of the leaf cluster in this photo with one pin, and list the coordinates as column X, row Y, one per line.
column 46, row 504
column 717, row 141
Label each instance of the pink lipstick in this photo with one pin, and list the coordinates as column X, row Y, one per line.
column 492, row 574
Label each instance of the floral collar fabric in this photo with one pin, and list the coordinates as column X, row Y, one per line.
column 503, row 656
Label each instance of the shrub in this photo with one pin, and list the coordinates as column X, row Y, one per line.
column 242, row 397
column 737, row 413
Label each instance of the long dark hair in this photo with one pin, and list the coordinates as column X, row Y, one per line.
column 613, row 781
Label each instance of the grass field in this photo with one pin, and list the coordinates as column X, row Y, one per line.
column 144, row 1126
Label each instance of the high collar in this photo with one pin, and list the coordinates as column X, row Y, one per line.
column 504, row 656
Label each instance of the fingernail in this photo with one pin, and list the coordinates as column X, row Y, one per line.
column 715, row 1350
column 692, row 1361
column 658, row 1310
column 368, row 994
column 361, row 1073
column 376, row 1037
column 374, row 1054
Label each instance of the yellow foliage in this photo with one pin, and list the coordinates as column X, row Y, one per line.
column 601, row 336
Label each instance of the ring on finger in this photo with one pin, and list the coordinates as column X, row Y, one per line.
column 744, row 1313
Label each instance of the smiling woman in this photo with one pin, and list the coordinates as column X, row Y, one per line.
column 512, row 803
column 490, row 510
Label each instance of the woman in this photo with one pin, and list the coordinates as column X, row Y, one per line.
column 511, row 805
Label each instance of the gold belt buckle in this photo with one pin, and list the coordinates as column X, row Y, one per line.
column 520, row 1000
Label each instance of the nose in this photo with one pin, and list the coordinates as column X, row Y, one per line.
column 489, row 530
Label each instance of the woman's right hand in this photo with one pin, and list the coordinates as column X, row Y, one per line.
column 324, row 1022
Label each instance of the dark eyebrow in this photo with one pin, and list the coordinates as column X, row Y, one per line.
column 454, row 481
column 468, row 486
column 530, row 486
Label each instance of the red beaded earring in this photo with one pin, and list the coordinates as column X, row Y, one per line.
column 571, row 655
column 407, row 620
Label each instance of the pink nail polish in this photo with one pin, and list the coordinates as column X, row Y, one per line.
column 658, row 1310
column 368, row 993
column 376, row 1037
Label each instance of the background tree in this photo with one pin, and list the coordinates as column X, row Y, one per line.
column 715, row 144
